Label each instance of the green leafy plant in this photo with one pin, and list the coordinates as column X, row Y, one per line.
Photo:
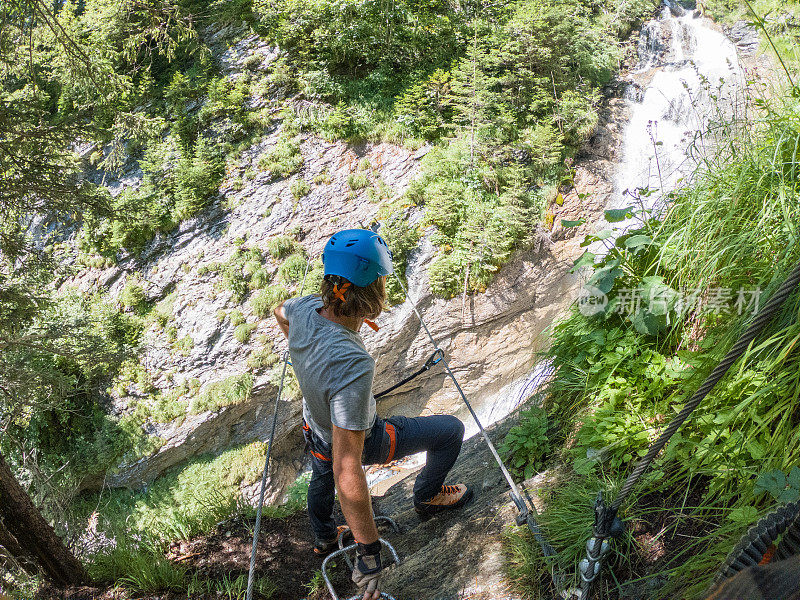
column 782, row 487
column 260, row 279
column 527, row 445
column 323, row 178
column 140, row 567
column 358, row 180
column 184, row 345
column 284, row 159
column 233, row 390
column 292, row 269
column 162, row 311
column 261, row 358
column 481, row 213
column 282, row 246
column 133, row 297
column 316, row 583
column 236, row 317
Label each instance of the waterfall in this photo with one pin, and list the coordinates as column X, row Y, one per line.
column 688, row 76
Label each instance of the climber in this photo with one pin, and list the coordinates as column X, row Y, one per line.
column 340, row 425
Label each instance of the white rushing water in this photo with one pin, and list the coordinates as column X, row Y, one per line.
column 687, row 78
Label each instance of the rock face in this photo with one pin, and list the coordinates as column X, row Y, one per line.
column 745, row 36
column 490, row 339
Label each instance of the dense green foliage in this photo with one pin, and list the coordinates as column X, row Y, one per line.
column 623, row 368
column 232, row 390
column 520, row 100
column 54, row 368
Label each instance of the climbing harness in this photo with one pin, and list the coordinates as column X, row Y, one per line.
column 434, row 359
column 607, row 525
column 343, row 551
column 527, row 510
column 256, row 529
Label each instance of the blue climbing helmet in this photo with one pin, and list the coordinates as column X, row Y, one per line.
column 358, row 255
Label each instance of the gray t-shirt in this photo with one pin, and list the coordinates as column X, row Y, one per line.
column 333, row 368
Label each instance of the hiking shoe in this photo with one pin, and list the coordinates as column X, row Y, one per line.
column 451, row 497
column 325, row 547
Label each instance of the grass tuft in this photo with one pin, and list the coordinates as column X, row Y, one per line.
column 233, row 390
column 265, row 301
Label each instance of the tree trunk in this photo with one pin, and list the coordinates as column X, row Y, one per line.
column 9, row 542
column 22, row 522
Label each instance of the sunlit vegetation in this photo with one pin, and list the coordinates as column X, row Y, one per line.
column 621, row 373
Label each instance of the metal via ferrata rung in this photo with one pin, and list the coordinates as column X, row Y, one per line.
column 377, row 519
column 344, row 552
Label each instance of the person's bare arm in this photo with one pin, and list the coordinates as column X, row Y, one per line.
column 352, row 484
column 280, row 317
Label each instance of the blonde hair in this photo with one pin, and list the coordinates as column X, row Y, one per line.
column 360, row 302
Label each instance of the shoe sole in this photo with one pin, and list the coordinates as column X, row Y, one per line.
column 426, row 513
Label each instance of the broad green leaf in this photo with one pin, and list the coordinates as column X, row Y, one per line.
column 788, row 495
column 646, row 322
column 604, row 279
column 638, row 241
column 794, row 477
column 744, row 515
column 583, row 466
column 755, row 449
column 653, row 280
column 586, row 260
column 568, row 224
column 772, row 482
column 615, row 215
column 597, row 237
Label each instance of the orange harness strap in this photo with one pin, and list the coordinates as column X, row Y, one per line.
column 392, row 441
column 320, row 456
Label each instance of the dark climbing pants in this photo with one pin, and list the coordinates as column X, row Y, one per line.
column 390, row 439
